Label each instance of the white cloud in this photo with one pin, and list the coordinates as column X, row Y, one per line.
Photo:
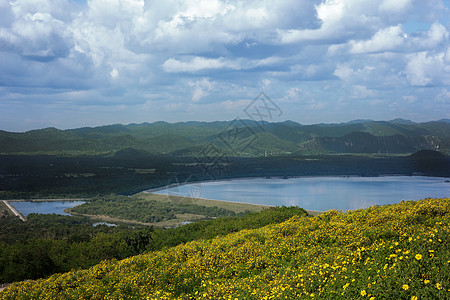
column 265, row 84
column 296, row 94
column 35, row 32
column 110, row 13
column 346, row 73
column 329, row 13
column 201, row 89
column 444, row 96
column 114, row 73
column 198, row 94
column 388, row 39
column 197, row 64
column 427, row 69
column 436, row 35
column 220, row 51
column 338, row 20
column 409, row 99
column 237, row 105
column 205, row 9
column 389, row 6
column 362, row 92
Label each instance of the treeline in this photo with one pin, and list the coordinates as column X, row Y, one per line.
column 55, row 176
column 147, row 211
column 48, row 244
column 188, row 139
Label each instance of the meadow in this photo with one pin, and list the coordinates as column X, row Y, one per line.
column 396, row 251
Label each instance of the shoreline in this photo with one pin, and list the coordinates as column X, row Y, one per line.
column 48, row 200
column 156, row 191
column 207, row 199
column 15, row 211
column 150, row 191
column 313, row 212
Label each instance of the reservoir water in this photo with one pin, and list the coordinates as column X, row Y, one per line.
column 318, row 193
column 44, row 207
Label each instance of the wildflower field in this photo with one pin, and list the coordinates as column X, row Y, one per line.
column 397, row 251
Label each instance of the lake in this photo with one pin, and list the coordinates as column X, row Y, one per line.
column 44, row 207
column 318, row 193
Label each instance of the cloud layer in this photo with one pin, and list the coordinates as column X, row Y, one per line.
column 68, row 63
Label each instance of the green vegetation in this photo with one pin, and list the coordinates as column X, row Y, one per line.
column 401, row 250
column 208, row 229
column 71, row 177
column 236, row 207
column 48, row 244
column 146, row 211
column 363, row 142
column 390, row 252
column 4, row 210
column 189, row 138
column 125, row 160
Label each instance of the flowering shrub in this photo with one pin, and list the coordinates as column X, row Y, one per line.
column 384, row 252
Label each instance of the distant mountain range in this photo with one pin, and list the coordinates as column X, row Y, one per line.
column 237, row 138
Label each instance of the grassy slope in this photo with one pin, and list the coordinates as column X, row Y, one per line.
column 391, row 252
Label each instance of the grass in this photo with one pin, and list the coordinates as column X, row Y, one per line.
column 180, row 218
column 143, row 218
column 399, row 251
column 233, row 206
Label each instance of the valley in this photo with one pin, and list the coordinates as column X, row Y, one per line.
column 110, row 166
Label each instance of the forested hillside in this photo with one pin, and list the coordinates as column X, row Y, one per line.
column 237, row 138
column 397, row 251
column 48, row 244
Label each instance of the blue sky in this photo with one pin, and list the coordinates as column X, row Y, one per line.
column 75, row 63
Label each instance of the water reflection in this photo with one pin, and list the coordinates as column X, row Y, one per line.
column 44, row 207
column 323, row 193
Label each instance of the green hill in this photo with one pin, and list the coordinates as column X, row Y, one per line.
column 236, row 138
column 390, row 252
column 363, row 142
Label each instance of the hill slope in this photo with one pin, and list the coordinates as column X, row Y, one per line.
column 236, row 138
column 363, row 142
column 391, row 252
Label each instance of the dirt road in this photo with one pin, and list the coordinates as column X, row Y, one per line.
column 14, row 211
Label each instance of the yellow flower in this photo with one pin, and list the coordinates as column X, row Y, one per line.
column 413, row 297
column 363, row 293
column 426, row 281
column 418, row 256
column 438, row 286
column 372, row 298
column 405, row 287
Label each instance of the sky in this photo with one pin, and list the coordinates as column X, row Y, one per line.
column 77, row 63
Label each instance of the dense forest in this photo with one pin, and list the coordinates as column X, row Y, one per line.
column 244, row 138
column 48, row 244
column 47, row 176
